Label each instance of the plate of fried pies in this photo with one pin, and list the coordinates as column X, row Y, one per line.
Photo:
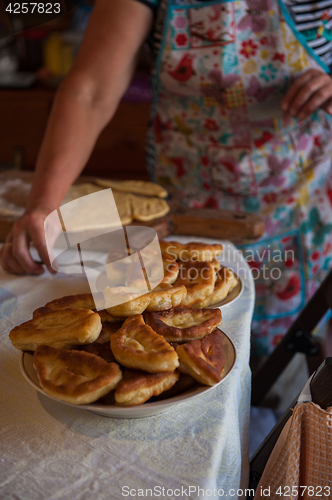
column 136, row 360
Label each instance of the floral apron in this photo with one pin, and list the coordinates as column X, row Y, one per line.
column 219, row 139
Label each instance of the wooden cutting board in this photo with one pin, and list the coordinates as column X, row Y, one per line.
column 210, row 223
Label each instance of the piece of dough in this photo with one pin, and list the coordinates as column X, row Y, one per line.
column 203, row 359
column 171, row 269
column 136, row 387
column 122, row 200
column 198, row 278
column 182, row 324
column 75, row 377
column 131, row 303
column 216, row 265
column 107, row 331
column 80, row 301
column 166, row 296
column 123, row 204
column 61, row 328
column 226, row 282
column 77, row 190
column 162, row 297
column 89, row 215
column 137, row 346
column 145, row 208
column 136, row 187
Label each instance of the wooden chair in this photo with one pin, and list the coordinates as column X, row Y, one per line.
column 321, row 391
column 298, row 339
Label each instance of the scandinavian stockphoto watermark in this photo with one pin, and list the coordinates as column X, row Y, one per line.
column 82, row 231
column 263, row 264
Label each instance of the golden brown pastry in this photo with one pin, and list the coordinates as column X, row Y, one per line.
column 182, row 324
column 136, row 387
column 162, row 297
column 197, row 251
column 80, row 301
column 137, row 346
column 106, row 317
column 62, row 328
column 73, row 376
column 171, row 269
column 216, row 265
column 226, row 282
column 165, row 296
column 199, row 279
column 130, row 303
column 203, row 359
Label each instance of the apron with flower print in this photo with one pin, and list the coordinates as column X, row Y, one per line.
column 219, row 139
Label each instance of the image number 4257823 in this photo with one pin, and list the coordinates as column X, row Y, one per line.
column 23, row 14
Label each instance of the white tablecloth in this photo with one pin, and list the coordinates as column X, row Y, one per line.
column 52, row 451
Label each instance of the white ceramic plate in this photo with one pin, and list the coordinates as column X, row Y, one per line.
column 145, row 410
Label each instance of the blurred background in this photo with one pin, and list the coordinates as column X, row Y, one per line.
column 34, row 58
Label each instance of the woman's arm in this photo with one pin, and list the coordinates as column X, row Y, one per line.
column 84, row 103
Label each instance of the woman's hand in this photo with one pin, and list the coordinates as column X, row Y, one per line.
column 310, row 91
column 15, row 256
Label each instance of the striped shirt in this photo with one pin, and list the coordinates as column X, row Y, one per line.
column 313, row 19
